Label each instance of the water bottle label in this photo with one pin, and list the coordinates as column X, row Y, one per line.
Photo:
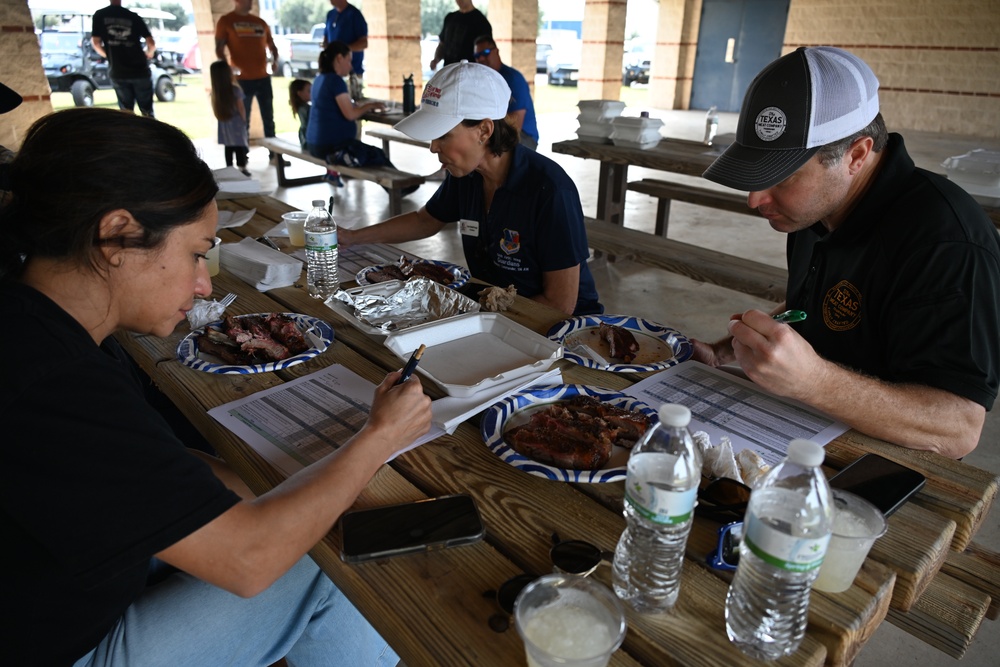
column 321, row 241
column 795, row 554
column 645, row 494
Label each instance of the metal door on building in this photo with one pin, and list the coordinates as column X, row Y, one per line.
column 737, row 38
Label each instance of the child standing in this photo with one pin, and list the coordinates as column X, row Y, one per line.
column 227, row 103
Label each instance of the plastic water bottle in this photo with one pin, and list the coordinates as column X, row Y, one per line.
column 785, row 535
column 711, row 125
column 660, row 489
column 321, row 252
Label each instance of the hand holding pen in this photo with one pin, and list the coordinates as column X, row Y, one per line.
column 411, row 365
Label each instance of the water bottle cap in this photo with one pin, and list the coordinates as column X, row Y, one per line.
column 319, row 202
column 805, row 453
column 672, row 414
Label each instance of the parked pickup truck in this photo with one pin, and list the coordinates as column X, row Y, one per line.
column 304, row 53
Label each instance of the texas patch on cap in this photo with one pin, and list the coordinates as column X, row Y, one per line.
column 800, row 102
column 461, row 91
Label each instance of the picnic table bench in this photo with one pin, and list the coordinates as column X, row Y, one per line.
column 388, row 135
column 668, row 191
column 392, row 180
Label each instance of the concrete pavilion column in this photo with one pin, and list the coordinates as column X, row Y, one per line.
column 603, row 47
column 206, row 15
column 393, row 48
column 21, row 71
column 672, row 69
column 515, row 28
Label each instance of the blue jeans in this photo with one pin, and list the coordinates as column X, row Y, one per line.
column 302, row 617
column 261, row 88
column 132, row 91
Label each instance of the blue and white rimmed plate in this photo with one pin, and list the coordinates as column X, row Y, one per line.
column 460, row 273
column 517, row 409
column 316, row 331
column 659, row 346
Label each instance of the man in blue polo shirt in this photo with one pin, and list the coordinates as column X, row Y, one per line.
column 520, row 110
column 345, row 23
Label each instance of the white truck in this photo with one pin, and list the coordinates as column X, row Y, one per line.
column 304, row 53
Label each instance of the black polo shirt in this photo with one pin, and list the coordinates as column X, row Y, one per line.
column 906, row 289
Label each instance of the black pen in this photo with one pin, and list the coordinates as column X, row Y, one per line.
column 411, row 365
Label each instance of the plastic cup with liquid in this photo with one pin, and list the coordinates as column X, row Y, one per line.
column 295, row 223
column 212, row 258
column 856, row 525
column 569, row 621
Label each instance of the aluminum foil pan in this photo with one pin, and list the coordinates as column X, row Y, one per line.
column 395, row 305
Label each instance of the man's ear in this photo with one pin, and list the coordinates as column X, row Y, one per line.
column 857, row 153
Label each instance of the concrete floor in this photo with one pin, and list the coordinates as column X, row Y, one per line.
column 696, row 309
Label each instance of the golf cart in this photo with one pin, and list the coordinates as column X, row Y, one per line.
column 72, row 65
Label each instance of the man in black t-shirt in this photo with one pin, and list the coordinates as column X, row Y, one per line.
column 116, row 35
column 897, row 268
column 459, row 32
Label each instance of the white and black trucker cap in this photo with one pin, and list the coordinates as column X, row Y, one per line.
column 802, row 101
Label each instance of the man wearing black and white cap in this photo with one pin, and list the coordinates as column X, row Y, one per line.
column 897, row 268
column 518, row 212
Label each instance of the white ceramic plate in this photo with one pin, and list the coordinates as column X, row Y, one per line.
column 318, row 332
column 659, row 346
column 517, row 409
column 461, row 273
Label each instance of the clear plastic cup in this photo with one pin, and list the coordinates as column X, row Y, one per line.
column 212, row 258
column 295, row 223
column 856, row 525
column 569, row 621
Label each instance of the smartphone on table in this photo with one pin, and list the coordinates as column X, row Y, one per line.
column 394, row 530
column 884, row 483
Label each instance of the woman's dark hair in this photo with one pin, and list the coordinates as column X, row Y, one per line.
column 504, row 136
column 75, row 166
column 831, row 153
column 223, row 95
column 332, row 50
column 294, row 101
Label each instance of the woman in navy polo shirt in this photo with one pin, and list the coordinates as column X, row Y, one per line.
column 518, row 212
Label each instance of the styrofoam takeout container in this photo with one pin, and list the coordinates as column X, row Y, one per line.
column 978, row 172
column 476, row 351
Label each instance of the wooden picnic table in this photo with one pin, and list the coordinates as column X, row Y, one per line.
column 433, row 607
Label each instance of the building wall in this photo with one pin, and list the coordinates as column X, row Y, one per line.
column 937, row 61
column 21, row 71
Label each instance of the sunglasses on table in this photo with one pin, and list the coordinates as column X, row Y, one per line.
column 727, row 550
column 570, row 557
column 482, row 54
column 723, row 500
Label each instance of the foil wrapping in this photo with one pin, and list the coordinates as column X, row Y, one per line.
column 417, row 301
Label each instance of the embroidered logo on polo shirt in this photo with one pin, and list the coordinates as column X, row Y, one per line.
column 511, row 242
column 842, row 307
column 770, row 124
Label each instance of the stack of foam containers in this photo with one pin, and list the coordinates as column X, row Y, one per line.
column 642, row 132
column 595, row 119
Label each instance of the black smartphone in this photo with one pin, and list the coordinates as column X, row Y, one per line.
column 884, row 483
column 406, row 528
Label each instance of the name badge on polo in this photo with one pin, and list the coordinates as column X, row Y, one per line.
column 468, row 227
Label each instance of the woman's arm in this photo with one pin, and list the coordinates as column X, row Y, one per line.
column 354, row 111
column 255, row 542
column 406, row 227
column 560, row 289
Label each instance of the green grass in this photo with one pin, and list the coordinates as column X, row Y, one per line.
column 192, row 113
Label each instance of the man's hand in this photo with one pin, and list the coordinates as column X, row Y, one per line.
column 776, row 357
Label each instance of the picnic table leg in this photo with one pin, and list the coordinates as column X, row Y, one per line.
column 662, row 215
column 385, row 149
column 395, row 201
column 612, row 183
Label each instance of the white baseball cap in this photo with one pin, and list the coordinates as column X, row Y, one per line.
column 461, row 91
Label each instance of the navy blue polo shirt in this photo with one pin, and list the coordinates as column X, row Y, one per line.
column 907, row 288
column 535, row 224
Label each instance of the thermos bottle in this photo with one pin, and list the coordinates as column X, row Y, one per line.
column 408, row 92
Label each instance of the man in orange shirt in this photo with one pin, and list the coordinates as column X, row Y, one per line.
column 248, row 39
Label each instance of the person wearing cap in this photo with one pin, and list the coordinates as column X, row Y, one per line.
column 518, row 212
column 520, row 109
column 897, row 268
